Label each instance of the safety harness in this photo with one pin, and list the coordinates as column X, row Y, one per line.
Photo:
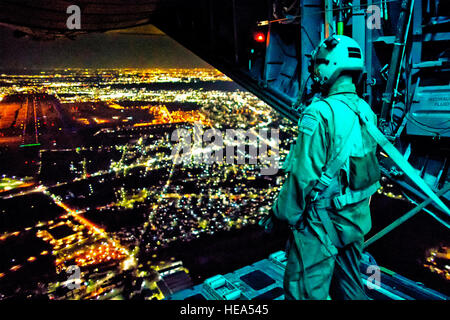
column 397, row 157
column 322, row 204
column 350, row 197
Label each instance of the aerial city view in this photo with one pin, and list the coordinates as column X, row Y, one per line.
column 132, row 169
column 89, row 180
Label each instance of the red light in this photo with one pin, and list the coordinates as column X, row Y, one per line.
column 260, row 37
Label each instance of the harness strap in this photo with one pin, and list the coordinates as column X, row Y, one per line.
column 397, row 157
column 334, row 165
column 322, row 206
column 323, row 183
column 351, row 197
column 329, row 226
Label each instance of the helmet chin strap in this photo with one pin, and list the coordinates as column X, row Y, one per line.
column 319, row 88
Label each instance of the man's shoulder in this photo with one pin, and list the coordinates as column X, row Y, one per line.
column 319, row 109
column 316, row 105
column 318, row 112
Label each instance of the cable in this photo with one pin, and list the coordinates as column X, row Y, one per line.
column 428, row 211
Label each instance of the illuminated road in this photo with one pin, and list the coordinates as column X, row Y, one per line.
column 30, row 134
column 36, row 135
column 76, row 214
column 24, row 134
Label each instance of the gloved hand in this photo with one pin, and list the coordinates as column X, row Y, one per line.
column 272, row 224
column 267, row 222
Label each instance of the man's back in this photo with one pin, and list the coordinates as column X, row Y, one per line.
column 353, row 221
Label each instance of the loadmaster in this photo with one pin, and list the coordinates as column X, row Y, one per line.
column 332, row 171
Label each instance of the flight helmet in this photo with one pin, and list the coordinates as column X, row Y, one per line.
column 334, row 56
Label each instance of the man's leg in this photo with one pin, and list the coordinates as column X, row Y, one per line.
column 309, row 267
column 347, row 283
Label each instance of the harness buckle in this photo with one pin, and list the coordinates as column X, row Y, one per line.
column 314, row 195
column 337, row 204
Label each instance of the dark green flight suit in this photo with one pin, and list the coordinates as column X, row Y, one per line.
column 317, row 269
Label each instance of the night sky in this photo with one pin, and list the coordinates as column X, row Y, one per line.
column 99, row 50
